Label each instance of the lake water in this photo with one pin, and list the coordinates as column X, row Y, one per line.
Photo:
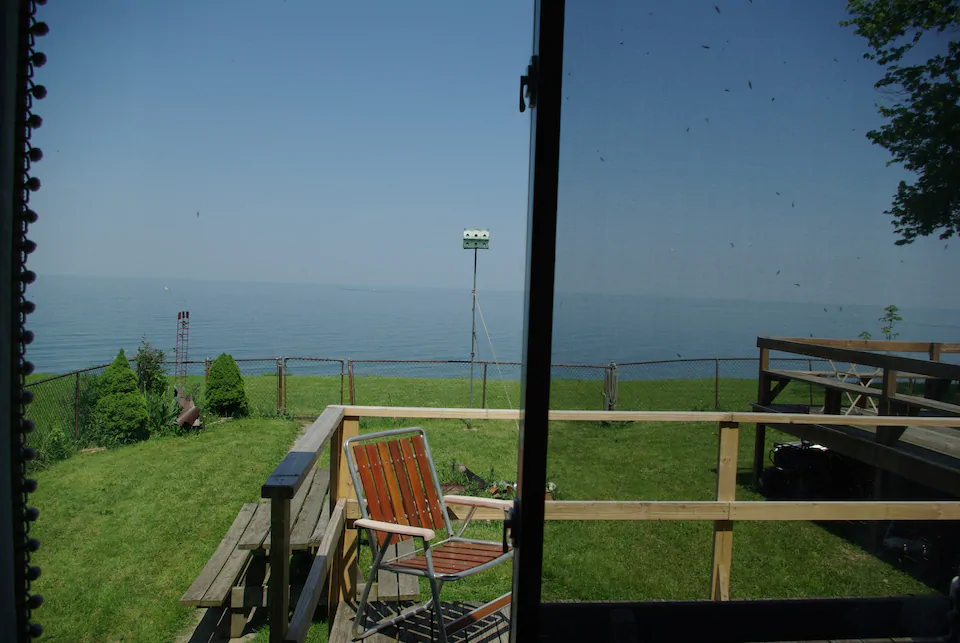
column 81, row 322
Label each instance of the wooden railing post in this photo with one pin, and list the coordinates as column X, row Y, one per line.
column 279, row 587
column 934, row 351
column 723, row 529
column 760, row 436
column 350, row 382
column 343, row 570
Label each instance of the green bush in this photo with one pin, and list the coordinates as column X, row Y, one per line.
column 151, row 369
column 118, row 377
column 225, row 394
column 52, row 444
column 162, row 414
column 121, row 418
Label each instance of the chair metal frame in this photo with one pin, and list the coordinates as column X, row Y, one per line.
column 394, row 531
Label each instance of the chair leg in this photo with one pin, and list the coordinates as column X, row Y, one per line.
column 438, row 609
column 361, row 617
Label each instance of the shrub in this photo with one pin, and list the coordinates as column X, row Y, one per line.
column 121, row 418
column 225, row 394
column 117, row 377
column 162, row 414
column 151, row 369
column 52, row 444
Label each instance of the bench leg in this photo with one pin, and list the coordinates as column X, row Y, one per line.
column 759, row 451
column 249, row 593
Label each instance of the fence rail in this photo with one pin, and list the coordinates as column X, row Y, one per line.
column 337, row 562
column 301, row 387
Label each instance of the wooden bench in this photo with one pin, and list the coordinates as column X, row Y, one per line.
column 823, row 382
column 237, row 571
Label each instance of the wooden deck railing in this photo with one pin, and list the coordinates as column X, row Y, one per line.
column 336, row 558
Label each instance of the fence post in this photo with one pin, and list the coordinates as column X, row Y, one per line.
column 716, row 383
column 810, row 368
column 206, row 369
column 279, row 385
column 350, row 381
column 610, row 387
column 341, row 382
column 483, row 397
column 723, row 529
column 76, row 410
column 284, row 371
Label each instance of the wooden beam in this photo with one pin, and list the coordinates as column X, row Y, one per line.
column 866, row 358
column 625, row 510
column 317, row 576
column 844, row 510
column 279, row 589
column 764, row 396
column 726, row 492
column 342, row 580
column 866, row 345
column 407, row 412
column 290, row 474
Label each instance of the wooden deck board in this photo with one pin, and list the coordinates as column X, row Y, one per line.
column 310, row 511
column 226, row 551
column 493, row 629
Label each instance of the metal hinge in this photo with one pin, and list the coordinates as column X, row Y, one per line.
column 531, row 81
column 512, row 523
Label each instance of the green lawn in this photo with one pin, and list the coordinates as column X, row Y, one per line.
column 125, row 532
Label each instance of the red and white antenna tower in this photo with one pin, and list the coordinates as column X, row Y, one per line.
column 183, row 341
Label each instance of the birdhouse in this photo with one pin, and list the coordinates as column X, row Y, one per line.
column 474, row 239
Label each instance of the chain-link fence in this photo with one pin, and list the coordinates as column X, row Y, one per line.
column 310, row 384
column 62, row 404
column 304, row 386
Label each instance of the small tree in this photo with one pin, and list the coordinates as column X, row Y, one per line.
column 225, row 394
column 151, row 368
column 890, row 318
column 117, row 377
column 865, row 336
column 120, row 414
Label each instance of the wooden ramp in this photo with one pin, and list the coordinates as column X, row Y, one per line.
column 421, row 628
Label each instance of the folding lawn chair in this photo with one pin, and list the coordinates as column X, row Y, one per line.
column 400, row 498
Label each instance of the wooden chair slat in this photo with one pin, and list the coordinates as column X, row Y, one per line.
column 410, row 464
column 366, row 479
column 406, row 493
column 429, row 484
column 390, row 474
column 380, row 485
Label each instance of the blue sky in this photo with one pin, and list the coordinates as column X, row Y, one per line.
column 351, row 143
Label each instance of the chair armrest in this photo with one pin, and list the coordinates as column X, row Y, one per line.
column 400, row 530
column 471, row 501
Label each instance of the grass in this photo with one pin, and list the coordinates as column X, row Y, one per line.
column 125, row 532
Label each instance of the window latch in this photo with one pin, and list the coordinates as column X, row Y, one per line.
column 512, row 523
column 531, row 82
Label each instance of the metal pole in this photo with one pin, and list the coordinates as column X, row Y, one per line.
column 716, row 384
column 483, row 397
column 76, row 410
column 473, row 329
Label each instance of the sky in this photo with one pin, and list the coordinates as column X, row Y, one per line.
column 351, row 143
